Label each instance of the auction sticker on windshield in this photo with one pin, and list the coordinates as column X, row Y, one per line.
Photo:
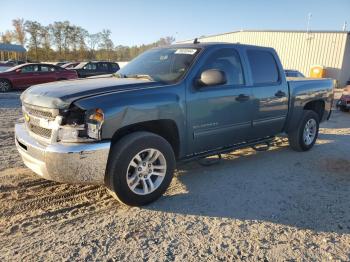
column 186, row 51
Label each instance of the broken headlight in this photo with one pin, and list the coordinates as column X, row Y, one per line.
column 94, row 120
column 81, row 126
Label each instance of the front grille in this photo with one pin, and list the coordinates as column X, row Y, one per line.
column 39, row 113
column 40, row 131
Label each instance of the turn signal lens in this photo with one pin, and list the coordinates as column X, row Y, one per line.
column 97, row 116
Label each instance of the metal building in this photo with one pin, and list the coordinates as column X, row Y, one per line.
column 300, row 50
column 14, row 52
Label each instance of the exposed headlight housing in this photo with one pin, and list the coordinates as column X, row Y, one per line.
column 81, row 126
column 94, row 120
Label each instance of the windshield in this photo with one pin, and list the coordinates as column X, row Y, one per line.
column 162, row 64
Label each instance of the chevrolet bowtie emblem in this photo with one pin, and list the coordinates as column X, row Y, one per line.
column 26, row 117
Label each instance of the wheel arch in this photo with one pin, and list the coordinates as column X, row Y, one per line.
column 318, row 106
column 165, row 128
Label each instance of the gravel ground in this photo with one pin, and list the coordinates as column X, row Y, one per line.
column 278, row 205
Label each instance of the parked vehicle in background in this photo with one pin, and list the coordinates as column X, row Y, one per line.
column 293, row 73
column 60, row 63
column 169, row 104
column 70, row 65
column 23, row 76
column 344, row 102
column 86, row 69
column 4, row 68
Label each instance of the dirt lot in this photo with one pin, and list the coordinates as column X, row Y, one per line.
column 278, row 205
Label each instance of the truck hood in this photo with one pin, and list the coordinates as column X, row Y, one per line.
column 60, row 95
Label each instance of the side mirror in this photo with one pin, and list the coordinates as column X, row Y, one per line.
column 18, row 70
column 212, row 77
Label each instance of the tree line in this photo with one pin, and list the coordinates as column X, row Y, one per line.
column 63, row 41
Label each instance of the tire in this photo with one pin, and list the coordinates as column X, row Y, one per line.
column 5, row 86
column 297, row 140
column 124, row 168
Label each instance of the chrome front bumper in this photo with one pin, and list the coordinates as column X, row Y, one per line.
column 83, row 163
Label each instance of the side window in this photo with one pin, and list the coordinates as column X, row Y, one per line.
column 114, row 67
column 47, row 68
column 90, row 66
column 228, row 61
column 263, row 66
column 103, row 67
column 30, row 69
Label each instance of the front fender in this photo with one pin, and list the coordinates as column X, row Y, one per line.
column 122, row 109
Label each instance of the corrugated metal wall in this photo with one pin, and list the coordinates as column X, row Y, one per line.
column 299, row 50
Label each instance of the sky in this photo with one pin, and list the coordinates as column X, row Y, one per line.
column 135, row 22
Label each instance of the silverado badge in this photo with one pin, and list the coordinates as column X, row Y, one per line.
column 26, row 117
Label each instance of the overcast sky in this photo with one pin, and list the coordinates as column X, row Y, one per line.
column 135, row 22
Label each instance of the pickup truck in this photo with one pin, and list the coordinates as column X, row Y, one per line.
column 170, row 104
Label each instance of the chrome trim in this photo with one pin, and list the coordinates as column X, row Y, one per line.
column 268, row 120
column 54, row 112
column 69, row 163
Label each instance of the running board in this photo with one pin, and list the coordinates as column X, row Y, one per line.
column 226, row 150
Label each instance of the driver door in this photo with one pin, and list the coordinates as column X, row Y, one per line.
column 29, row 75
column 219, row 115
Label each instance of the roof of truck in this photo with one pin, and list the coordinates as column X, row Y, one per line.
column 207, row 44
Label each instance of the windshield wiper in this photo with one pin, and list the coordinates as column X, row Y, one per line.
column 145, row 76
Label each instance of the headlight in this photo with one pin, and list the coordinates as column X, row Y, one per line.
column 80, row 126
column 94, row 120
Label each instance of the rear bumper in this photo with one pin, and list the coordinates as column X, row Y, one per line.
column 69, row 163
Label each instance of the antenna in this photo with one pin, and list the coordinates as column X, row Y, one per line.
column 195, row 41
column 309, row 16
column 345, row 26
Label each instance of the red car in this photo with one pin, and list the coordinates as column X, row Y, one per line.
column 344, row 101
column 23, row 76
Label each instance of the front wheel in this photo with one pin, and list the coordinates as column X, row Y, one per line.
column 5, row 85
column 140, row 168
column 304, row 136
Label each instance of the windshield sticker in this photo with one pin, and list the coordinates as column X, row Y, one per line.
column 186, row 51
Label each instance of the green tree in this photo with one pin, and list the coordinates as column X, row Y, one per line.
column 7, row 37
column 34, row 28
column 19, row 32
column 46, row 42
column 57, row 33
column 106, row 43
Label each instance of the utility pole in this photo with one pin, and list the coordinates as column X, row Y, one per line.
column 309, row 16
column 345, row 25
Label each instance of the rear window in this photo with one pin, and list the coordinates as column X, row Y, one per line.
column 263, row 66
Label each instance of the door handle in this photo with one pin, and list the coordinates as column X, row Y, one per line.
column 280, row 93
column 242, row 98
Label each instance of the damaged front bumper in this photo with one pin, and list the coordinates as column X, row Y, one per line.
column 83, row 163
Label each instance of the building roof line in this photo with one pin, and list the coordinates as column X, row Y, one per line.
column 272, row 31
column 12, row 48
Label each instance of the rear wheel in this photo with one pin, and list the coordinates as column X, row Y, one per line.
column 304, row 136
column 5, row 85
column 140, row 168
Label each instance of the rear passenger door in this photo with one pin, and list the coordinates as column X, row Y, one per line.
column 47, row 74
column 103, row 68
column 270, row 92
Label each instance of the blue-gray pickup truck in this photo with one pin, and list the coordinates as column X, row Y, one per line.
column 170, row 104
